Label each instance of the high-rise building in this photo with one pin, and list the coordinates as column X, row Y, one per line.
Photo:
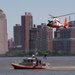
column 72, row 23
column 65, row 38
column 27, row 23
column 44, row 38
column 3, row 33
column 17, row 36
column 33, row 38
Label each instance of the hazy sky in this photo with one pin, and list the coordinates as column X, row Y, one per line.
column 39, row 9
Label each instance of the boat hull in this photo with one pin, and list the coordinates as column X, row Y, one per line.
column 17, row 66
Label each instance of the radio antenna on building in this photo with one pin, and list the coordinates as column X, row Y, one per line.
column 69, row 18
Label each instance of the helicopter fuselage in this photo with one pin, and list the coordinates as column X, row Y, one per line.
column 55, row 23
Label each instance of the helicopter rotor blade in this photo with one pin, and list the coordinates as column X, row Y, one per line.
column 42, row 18
column 52, row 16
column 64, row 15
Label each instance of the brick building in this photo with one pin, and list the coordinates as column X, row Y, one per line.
column 33, row 38
column 44, row 38
column 41, row 38
column 27, row 23
column 65, row 38
column 17, row 36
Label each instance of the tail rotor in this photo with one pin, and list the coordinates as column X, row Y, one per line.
column 66, row 25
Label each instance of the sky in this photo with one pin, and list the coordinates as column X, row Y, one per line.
column 14, row 9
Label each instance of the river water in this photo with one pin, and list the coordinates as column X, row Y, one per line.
column 7, row 69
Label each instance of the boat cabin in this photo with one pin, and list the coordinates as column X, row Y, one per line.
column 31, row 61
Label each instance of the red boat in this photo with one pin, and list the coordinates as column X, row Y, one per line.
column 30, row 63
column 17, row 66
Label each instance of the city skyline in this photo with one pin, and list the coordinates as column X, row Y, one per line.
column 39, row 9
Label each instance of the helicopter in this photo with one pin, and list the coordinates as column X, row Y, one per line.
column 55, row 22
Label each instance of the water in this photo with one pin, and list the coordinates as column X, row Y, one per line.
column 7, row 69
